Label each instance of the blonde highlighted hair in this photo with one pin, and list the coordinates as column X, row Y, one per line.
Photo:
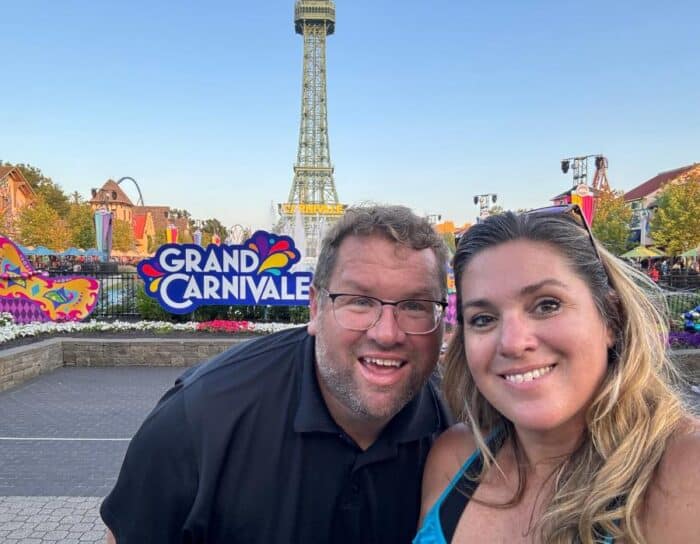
column 600, row 488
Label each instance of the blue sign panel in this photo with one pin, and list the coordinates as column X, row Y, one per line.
column 182, row 277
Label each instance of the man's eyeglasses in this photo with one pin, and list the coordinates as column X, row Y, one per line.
column 362, row 312
column 569, row 210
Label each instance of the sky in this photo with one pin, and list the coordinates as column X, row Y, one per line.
column 429, row 102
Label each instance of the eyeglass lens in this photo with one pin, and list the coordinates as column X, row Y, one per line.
column 360, row 313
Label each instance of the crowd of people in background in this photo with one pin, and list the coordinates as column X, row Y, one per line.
column 59, row 264
column 676, row 273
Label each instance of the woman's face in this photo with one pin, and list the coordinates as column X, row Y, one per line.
column 535, row 342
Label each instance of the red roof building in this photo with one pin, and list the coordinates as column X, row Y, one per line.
column 647, row 191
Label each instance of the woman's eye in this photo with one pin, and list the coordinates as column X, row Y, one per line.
column 547, row 306
column 480, row 321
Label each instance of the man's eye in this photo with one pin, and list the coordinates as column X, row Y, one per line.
column 417, row 306
column 481, row 321
column 547, row 306
column 360, row 302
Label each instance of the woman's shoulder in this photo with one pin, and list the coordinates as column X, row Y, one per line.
column 673, row 498
column 453, row 448
column 679, row 464
column 446, row 458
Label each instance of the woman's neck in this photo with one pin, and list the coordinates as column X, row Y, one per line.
column 543, row 451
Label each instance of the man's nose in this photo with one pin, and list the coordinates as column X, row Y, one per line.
column 517, row 336
column 386, row 330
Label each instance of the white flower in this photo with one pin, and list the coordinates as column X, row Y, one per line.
column 10, row 330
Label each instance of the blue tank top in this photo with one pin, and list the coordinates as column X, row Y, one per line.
column 441, row 521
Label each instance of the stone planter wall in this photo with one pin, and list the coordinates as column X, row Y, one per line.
column 688, row 361
column 25, row 362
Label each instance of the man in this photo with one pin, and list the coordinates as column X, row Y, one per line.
column 315, row 435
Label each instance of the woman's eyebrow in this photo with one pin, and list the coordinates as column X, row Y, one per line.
column 527, row 290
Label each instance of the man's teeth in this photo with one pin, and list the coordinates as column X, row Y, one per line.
column 529, row 376
column 383, row 362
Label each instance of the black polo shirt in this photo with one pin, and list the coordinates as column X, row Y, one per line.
column 243, row 450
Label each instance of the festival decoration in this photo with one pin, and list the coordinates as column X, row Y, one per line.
column 585, row 199
column 103, row 232
column 198, row 237
column 182, row 277
column 31, row 296
column 171, row 233
column 450, row 317
column 691, row 320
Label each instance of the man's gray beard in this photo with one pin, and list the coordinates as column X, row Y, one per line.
column 340, row 383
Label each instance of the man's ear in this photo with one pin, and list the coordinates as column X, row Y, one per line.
column 314, row 310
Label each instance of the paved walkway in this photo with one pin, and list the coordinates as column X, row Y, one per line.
column 63, row 436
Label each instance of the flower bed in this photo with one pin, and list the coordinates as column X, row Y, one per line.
column 684, row 340
column 10, row 331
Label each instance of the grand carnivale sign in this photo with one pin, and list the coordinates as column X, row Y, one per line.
column 182, row 277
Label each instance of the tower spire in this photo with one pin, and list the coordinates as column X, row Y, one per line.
column 313, row 191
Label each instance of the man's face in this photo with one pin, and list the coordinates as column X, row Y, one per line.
column 368, row 376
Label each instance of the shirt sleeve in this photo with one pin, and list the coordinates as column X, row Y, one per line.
column 157, row 484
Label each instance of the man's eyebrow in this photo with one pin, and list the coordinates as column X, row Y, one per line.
column 527, row 290
column 354, row 287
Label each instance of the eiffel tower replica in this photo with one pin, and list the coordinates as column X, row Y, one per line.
column 313, row 200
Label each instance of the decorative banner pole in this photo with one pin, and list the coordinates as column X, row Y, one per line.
column 103, row 233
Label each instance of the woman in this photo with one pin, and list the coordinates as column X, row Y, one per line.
column 571, row 430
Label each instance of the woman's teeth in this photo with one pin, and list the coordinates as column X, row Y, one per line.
column 529, row 376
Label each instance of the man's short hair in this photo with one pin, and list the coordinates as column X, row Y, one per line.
column 396, row 223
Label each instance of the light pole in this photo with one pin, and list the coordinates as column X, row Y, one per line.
column 483, row 202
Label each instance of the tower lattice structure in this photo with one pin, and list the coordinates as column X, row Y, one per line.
column 313, row 194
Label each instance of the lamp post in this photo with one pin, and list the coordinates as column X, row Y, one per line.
column 483, row 202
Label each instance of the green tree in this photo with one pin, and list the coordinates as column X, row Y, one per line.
column 675, row 224
column 122, row 236
column 449, row 238
column 81, row 225
column 210, row 227
column 611, row 223
column 46, row 188
column 156, row 241
column 40, row 225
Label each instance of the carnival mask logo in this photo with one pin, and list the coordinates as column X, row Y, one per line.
column 182, row 277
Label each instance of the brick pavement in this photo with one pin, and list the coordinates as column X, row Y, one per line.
column 62, row 440
column 63, row 436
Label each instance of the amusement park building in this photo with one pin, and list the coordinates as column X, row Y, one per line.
column 15, row 194
column 147, row 221
column 642, row 199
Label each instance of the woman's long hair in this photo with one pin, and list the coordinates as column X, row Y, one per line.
column 600, row 488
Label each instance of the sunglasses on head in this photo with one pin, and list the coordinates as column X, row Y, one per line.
column 572, row 211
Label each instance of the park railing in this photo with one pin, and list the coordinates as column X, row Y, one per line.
column 118, row 296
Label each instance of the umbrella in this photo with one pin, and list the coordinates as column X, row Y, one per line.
column 73, row 252
column 658, row 252
column 690, row 253
column 41, row 250
column 640, row 252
